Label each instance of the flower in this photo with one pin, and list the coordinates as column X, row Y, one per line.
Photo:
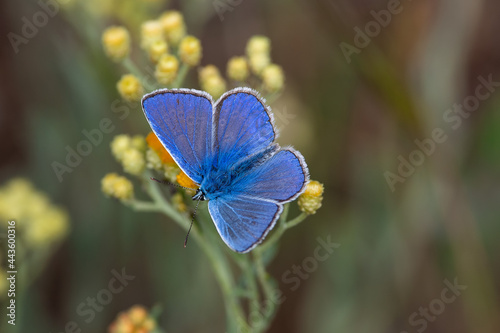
column 135, row 320
column 117, row 186
column 190, row 50
column 156, row 49
column 206, row 72
column 185, row 181
column 133, row 161
column 258, row 53
column 237, row 68
column 258, row 62
column 258, row 45
column 173, row 26
column 158, row 148
column 166, row 69
column 130, row 88
column 273, row 78
column 49, row 226
column 41, row 222
column 310, row 201
column 151, row 31
column 211, row 81
column 215, row 86
column 119, row 145
column 116, row 42
column 138, row 142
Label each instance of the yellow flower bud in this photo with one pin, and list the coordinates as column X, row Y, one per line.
column 190, row 50
column 237, row 69
column 133, row 161
column 215, row 86
column 310, row 201
column 116, row 42
column 117, row 186
column 139, row 142
column 119, row 145
column 273, row 78
column 206, row 72
column 151, row 31
column 258, row 45
column 166, row 69
column 258, row 62
column 130, row 88
column 173, row 26
column 157, row 49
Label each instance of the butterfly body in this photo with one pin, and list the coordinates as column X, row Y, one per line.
column 228, row 149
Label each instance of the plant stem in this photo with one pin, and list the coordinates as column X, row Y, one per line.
column 235, row 315
column 266, row 284
column 181, row 76
column 132, row 68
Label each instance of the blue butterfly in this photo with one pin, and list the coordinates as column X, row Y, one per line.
column 228, row 149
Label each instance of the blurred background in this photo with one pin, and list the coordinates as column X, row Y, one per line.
column 417, row 221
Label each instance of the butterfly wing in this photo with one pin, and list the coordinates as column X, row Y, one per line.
column 243, row 126
column 182, row 121
column 280, row 178
column 244, row 219
column 243, row 222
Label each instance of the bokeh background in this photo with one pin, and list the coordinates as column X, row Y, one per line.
column 351, row 119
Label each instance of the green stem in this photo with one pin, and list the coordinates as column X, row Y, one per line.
column 132, row 68
column 181, row 76
column 266, row 284
column 281, row 228
column 222, row 271
column 253, row 290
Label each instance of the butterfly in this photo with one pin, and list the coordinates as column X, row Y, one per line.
column 227, row 148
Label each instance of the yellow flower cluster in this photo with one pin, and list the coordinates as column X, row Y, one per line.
column 135, row 320
column 167, row 45
column 130, row 152
column 257, row 62
column 211, row 81
column 310, row 201
column 41, row 222
column 259, row 57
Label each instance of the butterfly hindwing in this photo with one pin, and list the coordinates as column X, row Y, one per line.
column 243, row 222
column 182, row 121
column 281, row 178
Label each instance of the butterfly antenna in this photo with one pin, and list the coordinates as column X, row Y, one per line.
column 192, row 221
column 169, row 183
